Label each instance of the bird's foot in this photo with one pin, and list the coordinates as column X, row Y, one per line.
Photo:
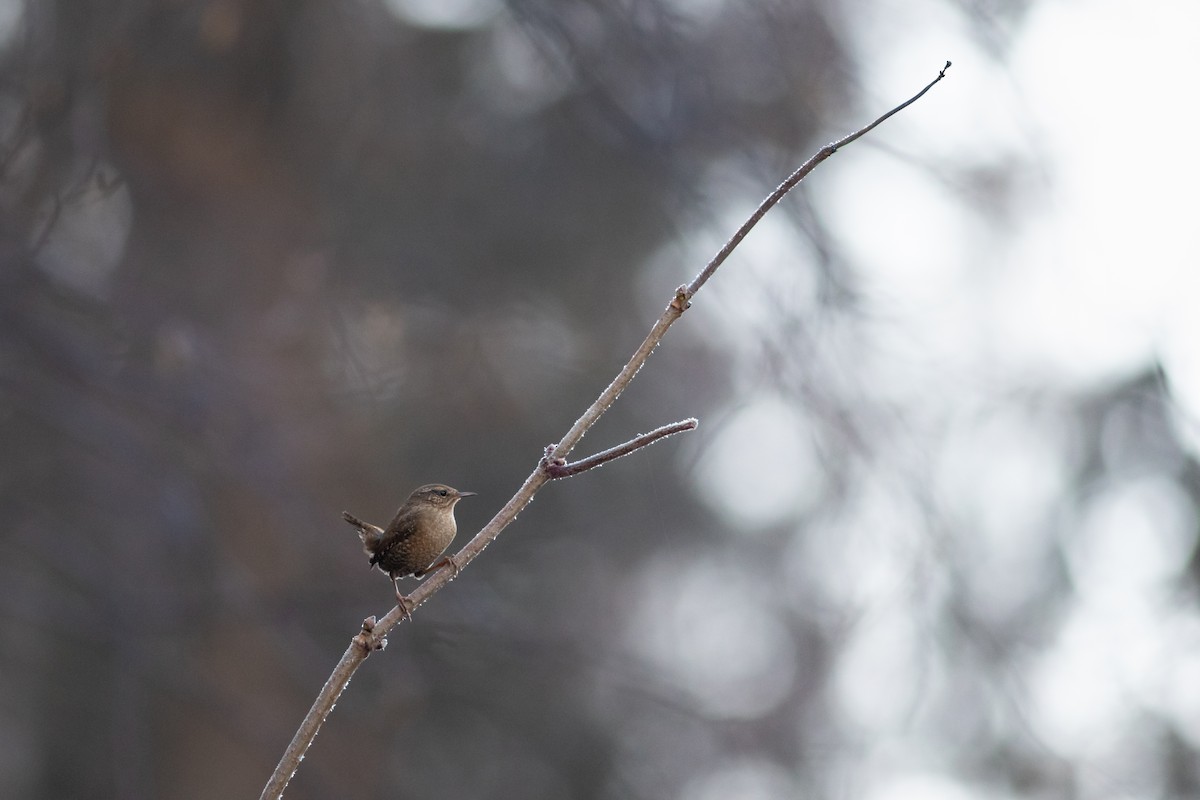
column 405, row 609
column 402, row 601
column 444, row 561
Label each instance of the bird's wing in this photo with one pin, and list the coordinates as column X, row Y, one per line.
column 403, row 526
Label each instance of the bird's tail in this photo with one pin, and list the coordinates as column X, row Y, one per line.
column 369, row 534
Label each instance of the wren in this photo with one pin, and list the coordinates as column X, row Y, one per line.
column 416, row 538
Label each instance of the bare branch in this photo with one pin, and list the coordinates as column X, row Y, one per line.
column 559, row 468
column 683, row 295
column 373, row 633
column 361, row 646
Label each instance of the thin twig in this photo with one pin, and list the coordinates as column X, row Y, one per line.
column 372, row 636
column 559, row 468
column 791, row 182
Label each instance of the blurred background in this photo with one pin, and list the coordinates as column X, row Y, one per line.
column 936, row 536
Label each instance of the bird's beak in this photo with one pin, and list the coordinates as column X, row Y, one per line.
column 466, row 494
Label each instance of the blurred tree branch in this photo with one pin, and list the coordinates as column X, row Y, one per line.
column 552, row 466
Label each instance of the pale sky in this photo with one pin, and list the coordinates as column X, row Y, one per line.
column 1096, row 280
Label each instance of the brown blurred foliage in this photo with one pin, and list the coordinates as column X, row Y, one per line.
column 345, row 255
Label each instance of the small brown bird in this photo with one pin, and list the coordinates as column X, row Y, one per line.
column 419, row 533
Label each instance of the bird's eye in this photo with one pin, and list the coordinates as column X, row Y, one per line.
column 442, row 492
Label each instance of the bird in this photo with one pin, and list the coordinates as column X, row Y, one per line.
column 413, row 543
